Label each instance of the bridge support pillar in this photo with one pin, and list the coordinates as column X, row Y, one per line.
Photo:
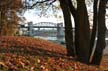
column 30, row 29
column 60, row 32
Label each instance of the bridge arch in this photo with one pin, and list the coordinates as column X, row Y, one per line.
column 45, row 24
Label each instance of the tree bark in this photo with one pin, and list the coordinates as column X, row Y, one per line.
column 74, row 14
column 101, row 33
column 68, row 28
column 83, row 32
column 94, row 28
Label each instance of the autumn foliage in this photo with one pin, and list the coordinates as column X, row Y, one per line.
column 29, row 54
column 30, row 44
column 9, row 16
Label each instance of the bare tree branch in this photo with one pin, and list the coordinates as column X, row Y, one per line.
column 37, row 2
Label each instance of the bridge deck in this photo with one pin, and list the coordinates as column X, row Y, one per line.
column 40, row 27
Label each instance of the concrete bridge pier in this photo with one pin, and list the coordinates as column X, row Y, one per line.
column 30, row 29
column 60, row 32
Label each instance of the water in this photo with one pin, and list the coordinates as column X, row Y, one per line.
column 53, row 39
column 47, row 38
column 62, row 41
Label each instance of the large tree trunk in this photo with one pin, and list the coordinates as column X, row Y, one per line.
column 101, row 33
column 94, row 28
column 83, row 32
column 74, row 14
column 68, row 28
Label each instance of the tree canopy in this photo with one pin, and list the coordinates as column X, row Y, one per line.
column 9, row 16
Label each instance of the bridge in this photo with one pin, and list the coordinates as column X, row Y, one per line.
column 49, row 29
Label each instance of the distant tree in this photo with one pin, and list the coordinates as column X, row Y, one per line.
column 9, row 16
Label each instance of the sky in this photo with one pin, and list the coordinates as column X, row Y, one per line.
column 31, row 15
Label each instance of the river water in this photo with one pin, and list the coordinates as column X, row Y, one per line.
column 54, row 39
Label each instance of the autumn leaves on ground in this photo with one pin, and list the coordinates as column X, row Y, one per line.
column 31, row 54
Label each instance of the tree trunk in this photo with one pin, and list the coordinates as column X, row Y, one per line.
column 68, row 28
column 101, row 33
column 83, row 32
column 94, row 29
column 74, row 14
column 2, row 22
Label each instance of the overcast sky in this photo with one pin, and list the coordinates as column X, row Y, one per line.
column 31, row 15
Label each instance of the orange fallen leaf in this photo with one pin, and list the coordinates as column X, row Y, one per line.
column 3, row 64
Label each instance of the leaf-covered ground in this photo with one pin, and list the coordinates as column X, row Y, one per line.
column 29, row 54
